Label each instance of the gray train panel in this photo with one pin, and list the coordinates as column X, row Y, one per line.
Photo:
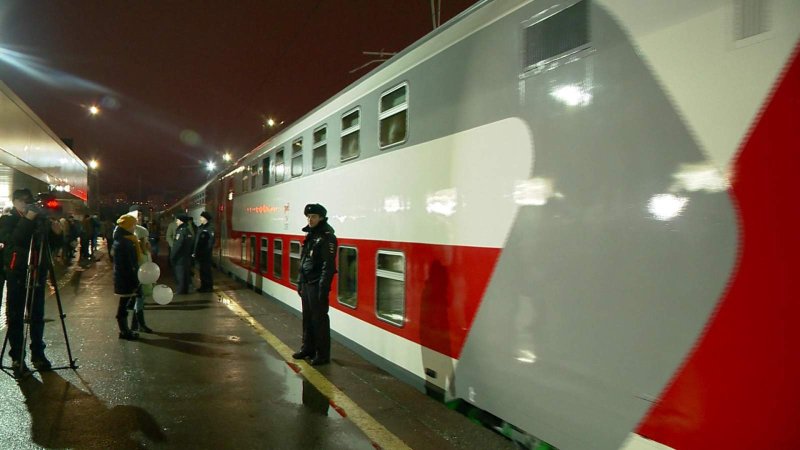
column 597, row 298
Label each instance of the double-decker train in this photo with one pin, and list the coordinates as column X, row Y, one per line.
column 574, row 215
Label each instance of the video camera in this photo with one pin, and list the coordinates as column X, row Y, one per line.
column 44, row 204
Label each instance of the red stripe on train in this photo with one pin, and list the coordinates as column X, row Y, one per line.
column 444, row 285
column 741, row 386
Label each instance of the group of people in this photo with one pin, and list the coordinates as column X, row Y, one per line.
column 25, row 228
column 132, row 247
column 189, row 244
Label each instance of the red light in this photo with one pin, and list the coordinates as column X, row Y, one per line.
column 51, row 204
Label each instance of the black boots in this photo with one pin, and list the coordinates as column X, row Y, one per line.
column 19, row 369
column 302, row 354
column 124, row 331
column 138, row 324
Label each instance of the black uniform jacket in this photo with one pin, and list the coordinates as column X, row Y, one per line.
column 204, row 244
column 318, row 258
column 183, row 245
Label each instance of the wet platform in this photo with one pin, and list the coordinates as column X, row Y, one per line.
column 216, row 373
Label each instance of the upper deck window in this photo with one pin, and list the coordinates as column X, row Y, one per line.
column 279, row 165
column 320, row 156
column 351, row 126
column 265, row 171
column 394, row 116
column 557, row 35
column 297, row 157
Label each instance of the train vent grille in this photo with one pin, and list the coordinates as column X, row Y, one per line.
column 750, row 18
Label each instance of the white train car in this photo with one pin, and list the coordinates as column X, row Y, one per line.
column 574, row 215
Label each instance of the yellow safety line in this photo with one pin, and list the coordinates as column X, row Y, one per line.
column 371, row 427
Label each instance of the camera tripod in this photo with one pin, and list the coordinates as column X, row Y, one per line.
column 40, row 259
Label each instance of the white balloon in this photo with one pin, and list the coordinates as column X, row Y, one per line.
column 162, row 294
column 149, row 273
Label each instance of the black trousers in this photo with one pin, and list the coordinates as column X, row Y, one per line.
column 204, row 266
column 181, row 268
column 316, row 323
column 15, row 315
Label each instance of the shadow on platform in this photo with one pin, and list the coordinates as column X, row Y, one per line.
column 63, row 416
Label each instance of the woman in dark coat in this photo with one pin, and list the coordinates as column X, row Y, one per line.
column 126, row 281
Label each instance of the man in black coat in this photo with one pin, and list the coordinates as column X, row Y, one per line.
column 181, row 254
column 317, row 268
column 203, row 248
column 16, row 233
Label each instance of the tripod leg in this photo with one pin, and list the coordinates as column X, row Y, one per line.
column 3, row 352
column 49, row 258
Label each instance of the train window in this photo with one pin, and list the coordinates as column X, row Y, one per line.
column 253, row 172
column 265, row 171
column 244, row 181
column 294, row 261
column 391, row 286
column 243, row 254
column 394, row 116
column 279, row 166
column 297, row 157
column 320, row 156
column 263, row 260
column 277, row 258
column 253, row 252
column 348, row 277
column 351, row 126
column 561, row 34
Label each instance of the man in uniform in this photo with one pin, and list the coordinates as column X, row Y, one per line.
column 317, row 268
column 180, row 255
column 203, row 248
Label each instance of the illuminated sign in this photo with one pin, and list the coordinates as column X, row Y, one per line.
column 261, row 209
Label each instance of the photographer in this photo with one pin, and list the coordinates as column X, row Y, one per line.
column 16, row 233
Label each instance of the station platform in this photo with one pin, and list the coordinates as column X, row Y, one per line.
column 217, row 373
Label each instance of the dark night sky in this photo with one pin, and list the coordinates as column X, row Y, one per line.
column 210, row 71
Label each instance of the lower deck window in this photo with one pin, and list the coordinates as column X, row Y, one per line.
column 391, row 286
column 252, row 253
column 294, row 261
column 277, row 258
column 263, row 260
column 347, row 292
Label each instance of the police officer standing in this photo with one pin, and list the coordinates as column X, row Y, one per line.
column 203, row 248
column 317, row 268
column 181, row 254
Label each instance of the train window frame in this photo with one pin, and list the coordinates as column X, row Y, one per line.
column 243, row 250
column 393, row 111
column 253, row 252
column 253, row 173
column 297, row 154
column 567, row 56
column 277, row 264
column 265, row 170
column 294, row 258
column 343, row 273
column 390, row 275
column 280, row 166
column 319, row 145
column 355, row 129
column 264, row 253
